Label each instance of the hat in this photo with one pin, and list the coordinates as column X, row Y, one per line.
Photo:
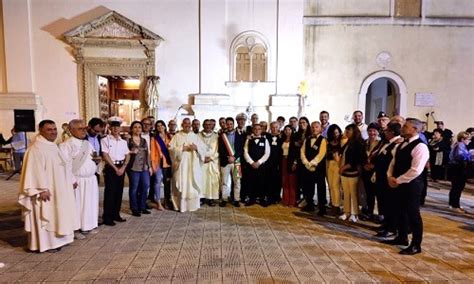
column 382, row 114
column 115, row 121
column 241, row 116
column 373, row 125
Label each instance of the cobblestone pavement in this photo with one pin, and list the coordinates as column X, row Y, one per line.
column 242, row 245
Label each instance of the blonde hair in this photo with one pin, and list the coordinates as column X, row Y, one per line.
column 463, row 135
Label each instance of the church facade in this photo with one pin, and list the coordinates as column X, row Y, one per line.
column 208, row 58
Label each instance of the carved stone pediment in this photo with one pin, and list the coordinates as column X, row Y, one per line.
column 111, row 25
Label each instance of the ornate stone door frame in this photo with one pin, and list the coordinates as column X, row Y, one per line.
column 88, row 73
column 110, row 45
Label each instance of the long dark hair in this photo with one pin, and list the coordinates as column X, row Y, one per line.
column 306, row 132
column 156, row 126
column 283, row 135
column 356, row 135
column 331, row 135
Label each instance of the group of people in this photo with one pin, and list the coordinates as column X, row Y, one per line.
column 237, row 164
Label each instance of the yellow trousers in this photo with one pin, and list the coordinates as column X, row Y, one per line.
column 334, row 182
column 349, row 186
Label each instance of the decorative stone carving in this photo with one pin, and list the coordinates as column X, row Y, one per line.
column 114, row 33
column 383, row 59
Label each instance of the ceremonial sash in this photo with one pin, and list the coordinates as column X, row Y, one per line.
column 230, row 151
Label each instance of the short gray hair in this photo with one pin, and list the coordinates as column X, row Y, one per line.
column 73, row 123
column 416, row 123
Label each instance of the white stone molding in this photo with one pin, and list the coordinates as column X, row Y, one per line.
column 104, row 46
column 383, row 59
column 398, row 83
column 249, row 39
column 11, row 101
column 387, row 21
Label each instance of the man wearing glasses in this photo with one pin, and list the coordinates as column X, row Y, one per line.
column 78, row 154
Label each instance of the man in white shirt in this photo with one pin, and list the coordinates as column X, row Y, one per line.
column 358, row 118
column 115, row 153
column 404, row 174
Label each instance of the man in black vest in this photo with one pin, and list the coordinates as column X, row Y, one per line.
column 404, row 174
column 274, row 161
column 313, row 158
column 388, row 200
column 256, row 153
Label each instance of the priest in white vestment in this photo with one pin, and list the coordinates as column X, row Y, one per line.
column 78, row 152
column 187, row 155
column 47, row 193
column 210, row 168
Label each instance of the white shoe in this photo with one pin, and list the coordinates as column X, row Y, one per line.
column 79, row 236
column 302, row 204
column 343, row 217
column 353, row 219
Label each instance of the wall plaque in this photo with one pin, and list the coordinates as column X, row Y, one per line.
column 424, row 99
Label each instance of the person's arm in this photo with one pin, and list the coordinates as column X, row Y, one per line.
column 246, row 152
column 265, row 156
column 321, row 154
column 420, row 156
column 304, row 161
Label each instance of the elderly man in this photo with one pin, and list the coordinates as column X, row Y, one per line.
column 79, row 153
column 404, row 175
column 172, row 128
column 187, row 155
column 210, row 168
column 47, row 193
column 382, row 120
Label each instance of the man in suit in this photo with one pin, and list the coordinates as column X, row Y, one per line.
column 230, row 148
column 405, row 174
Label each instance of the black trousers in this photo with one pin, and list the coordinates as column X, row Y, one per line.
column 424, row 192
column 308, row 182
column 274, row 182
column 113, row 192
column 381, row 189
column 256, row 183
column 370, row 192
column 458, row 182
column 410, row 208
column 167, row 182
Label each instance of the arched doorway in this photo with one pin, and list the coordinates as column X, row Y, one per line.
column 383, row 91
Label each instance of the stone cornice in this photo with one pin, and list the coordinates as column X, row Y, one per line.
column 387, row 21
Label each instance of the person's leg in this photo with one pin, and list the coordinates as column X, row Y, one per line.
column 134, row 178
column 347, row 194
column 118, row 196
column 413, row 212
column 322, row 199
column 353, row 184
column 145, row 184
column 226, row 181
column 456, row 190
column 157, row 185
column 109, row 194
column 167, row 185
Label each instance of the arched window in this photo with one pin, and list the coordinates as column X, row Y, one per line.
column 249, row 58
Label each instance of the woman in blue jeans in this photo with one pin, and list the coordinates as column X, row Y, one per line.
column 139, row 170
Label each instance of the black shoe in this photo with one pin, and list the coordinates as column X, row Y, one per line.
column 223, row 203
column 321, row 212
column 211, row 203
column 411, row 250
column 54, row 250
column 144, row 211
column 250, row 203
column 147, row 207
column 136, row 213
column 264, row 203
column 396, row 242
column 384, row 234
column 109, row 223
column 308, row 208
column 236, row 203
column 120, row 219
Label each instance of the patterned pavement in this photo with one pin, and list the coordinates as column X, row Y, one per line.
column 242, row 245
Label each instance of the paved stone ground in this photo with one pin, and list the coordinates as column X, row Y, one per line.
column 243, row 245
